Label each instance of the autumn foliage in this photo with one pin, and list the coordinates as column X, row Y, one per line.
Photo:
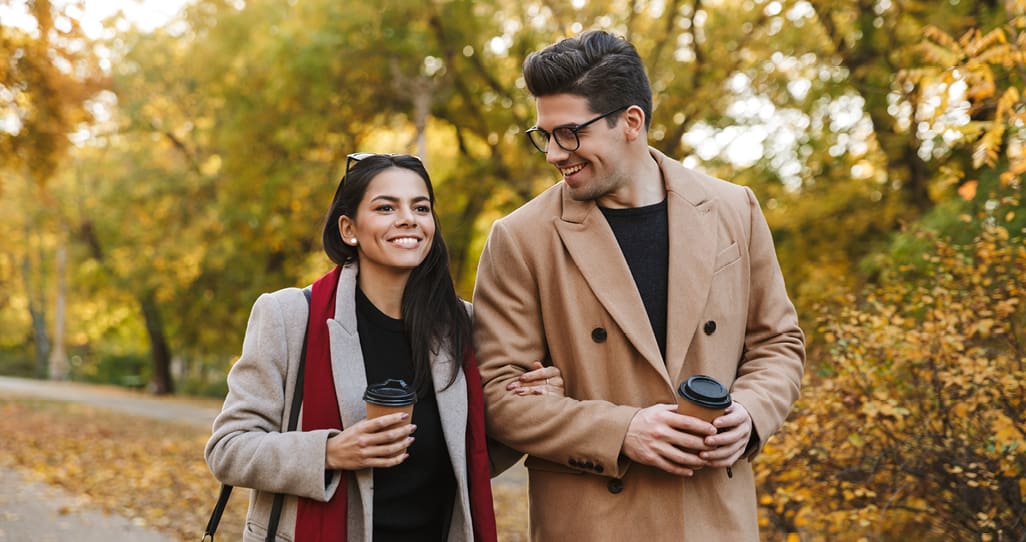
column 913, row 421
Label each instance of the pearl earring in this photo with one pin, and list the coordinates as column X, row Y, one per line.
column 353, row 240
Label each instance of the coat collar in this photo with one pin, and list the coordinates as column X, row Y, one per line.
column 692, row 219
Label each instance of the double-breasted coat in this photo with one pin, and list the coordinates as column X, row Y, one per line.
column 553, row 285
column 250, row 448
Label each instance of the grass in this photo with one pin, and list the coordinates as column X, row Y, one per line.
column 151, row 472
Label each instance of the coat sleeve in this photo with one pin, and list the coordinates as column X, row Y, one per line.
column 509, row 335
column 770, row 372
column 248, row 447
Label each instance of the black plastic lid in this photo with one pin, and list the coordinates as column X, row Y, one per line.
column 392, row 392
column 705, row 391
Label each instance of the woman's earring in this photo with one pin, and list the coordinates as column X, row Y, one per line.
column 353, row 240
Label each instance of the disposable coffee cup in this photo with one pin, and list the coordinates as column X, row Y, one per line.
column 703, row 397
column 389, row 397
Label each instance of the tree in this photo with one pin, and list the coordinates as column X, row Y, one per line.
column 913, row 424
column 47, row 79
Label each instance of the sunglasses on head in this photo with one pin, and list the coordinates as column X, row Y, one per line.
column 357, row 156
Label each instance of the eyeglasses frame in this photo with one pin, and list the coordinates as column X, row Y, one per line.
column 575, row 129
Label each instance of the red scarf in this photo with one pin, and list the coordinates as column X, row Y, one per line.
column 326, row 521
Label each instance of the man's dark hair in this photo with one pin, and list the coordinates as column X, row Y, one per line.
column 602, row 68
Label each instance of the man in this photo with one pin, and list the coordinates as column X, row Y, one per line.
column 631, row 275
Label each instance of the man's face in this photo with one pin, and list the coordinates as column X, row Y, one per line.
column 596, row 168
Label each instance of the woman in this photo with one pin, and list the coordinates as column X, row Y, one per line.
column 388, row 311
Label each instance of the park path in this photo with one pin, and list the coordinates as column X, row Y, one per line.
column 33, row 511
column 38, row 512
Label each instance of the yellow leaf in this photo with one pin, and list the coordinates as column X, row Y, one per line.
column 968, row 190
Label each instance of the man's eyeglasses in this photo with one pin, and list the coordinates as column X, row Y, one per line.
column 357, row 156
column 567, row 137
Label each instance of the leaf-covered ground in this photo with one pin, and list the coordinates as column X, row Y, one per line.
column 149, row 471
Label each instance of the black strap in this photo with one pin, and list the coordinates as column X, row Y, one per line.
column 297, row 401
column 279, row 498
column 215, row 515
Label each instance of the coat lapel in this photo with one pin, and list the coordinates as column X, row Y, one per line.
column 693, row 220
column 346, row 355
column 452, row 409
column 348, row 371
column 593, row 247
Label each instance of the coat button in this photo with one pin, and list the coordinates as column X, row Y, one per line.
column 573, row 462
column 598, row 335
column 615, row 485
column 709, row 327
column 599, row 469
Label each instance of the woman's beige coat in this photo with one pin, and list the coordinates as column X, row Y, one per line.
column 553, row 285
column 248, row 447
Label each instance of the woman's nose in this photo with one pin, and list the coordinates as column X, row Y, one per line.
column 404, row 217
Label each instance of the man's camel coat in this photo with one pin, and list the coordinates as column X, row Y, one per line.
column 553, row 285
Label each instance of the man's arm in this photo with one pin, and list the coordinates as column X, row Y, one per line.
column 770, row 372
column 509, row 335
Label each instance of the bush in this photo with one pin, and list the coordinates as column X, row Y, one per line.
column 17, row 363
column 915, row 424
column 130, row 370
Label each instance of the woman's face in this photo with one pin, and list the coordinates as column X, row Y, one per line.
column 394, row 227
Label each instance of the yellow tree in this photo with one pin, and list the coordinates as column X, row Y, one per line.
column 48, row 75
column 913, row 423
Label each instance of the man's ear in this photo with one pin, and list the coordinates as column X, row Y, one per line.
column 634, row 118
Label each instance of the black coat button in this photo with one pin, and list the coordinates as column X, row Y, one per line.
column 599, row 469
column 598, row 335
column 573, row 462
column 615, row 485
column 709, row 327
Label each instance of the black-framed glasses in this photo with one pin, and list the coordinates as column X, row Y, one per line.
column 567, row 137
column 355, row 157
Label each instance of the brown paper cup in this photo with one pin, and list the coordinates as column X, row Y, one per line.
column 691, row 409
column 702, row 397
column 375, row 411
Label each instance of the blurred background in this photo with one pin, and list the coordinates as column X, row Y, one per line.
column 164, row 163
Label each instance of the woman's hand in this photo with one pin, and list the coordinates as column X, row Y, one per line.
column 381, row 442
column 540, row 380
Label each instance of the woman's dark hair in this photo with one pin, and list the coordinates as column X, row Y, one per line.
column 433, row 315
column 604, row 69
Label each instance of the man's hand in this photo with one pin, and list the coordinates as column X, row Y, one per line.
column 724, row 448
column 660, row 437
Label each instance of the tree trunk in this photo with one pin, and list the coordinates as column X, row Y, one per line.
column 162, row 382
column 59, row 356
column 36, row 310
